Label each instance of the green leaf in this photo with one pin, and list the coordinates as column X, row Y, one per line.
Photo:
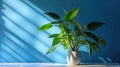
column 94, row 25
column 57, row 22
column 51, row 49
column 77, row 28
column 91, row 35
column 77, row 31
column 77, row 25
column 61, row 27
column 63, row 30
column 74, row 13
column 66, row 44
column 101, row 41
column 71, row 14
column 53, row 35
column 65, row 11
column 96, row 48
column 53, row 15
column 45, row 26
column 84, row 28
column 82, row 42
column 90, row 47
column 55, row 41
column 71, row 36
column 61, row 34
column 90, row 50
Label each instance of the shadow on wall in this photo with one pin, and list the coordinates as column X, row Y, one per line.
column 2, row 27
column 20, row 41
column 16, row 52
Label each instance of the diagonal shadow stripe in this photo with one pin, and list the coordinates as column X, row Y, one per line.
column 15, row 52
column 24, row 17
column 26, row 2
column 24, row 50
column 12, row 56
column 30, row 34
column 27, row 46
column 26, row 31
column 20, row 14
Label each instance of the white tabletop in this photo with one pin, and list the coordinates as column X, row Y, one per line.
column 55, row 65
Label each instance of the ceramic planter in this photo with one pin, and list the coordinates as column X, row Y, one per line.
column 73, row 57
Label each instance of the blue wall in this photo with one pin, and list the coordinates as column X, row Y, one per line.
column 20, row 41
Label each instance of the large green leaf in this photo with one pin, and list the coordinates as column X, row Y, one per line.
column 61, row 35
column 94, row 25
column 91, row 35
column 55, row 41
column 66, row 44
column 71, row 14
column 51, row 49
column 53, row 15
column 45, row 26
column 53, row 35
column 101, row 41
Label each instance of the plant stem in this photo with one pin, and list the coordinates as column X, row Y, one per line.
column 67, row 36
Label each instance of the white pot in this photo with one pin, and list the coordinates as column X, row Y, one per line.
column 73, row 57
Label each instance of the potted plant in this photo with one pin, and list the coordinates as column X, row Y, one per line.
column 72, row 35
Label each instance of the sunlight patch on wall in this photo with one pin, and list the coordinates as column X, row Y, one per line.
column 26, row 11
column 84, row 48
column 22, row 38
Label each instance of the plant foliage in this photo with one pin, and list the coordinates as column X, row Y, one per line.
column 72, row 35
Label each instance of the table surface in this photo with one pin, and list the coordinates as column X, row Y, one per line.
column 55, row 65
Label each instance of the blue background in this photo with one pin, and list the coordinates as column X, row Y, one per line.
column 20, row 41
